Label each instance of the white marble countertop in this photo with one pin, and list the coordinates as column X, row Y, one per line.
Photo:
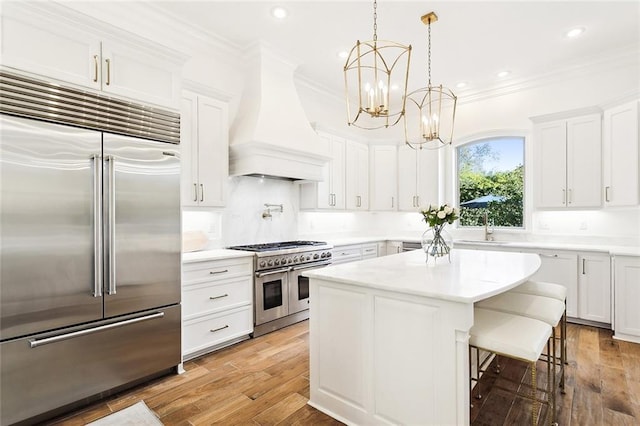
column 215, row 254
column 472, row 275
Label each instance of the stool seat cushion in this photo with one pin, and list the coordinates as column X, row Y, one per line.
column 509, row 335
column 542, row 308
column 541, row 288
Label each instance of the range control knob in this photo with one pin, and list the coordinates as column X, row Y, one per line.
column 329, row 254
column 290, row 260
column 276, row 262
column 295, row 259
column 270, row 262
column 262, row 264
column 308, row 257
column 323, row 255
column 316, row 255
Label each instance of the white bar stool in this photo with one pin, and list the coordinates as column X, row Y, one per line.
column 545, row 309
column 516, row 337
column 554, row 291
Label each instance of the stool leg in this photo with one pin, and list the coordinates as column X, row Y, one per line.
column 534, row 400
column 551, row 383
column 563, row 349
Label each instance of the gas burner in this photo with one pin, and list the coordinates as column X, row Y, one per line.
column 282, row 245
column 288, row 254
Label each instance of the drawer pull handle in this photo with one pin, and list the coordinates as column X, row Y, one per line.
column 218, row 272
column 218, row 329
column 217, row 297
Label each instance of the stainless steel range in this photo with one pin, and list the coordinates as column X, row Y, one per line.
column 281, row 291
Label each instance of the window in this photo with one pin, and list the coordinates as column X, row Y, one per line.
column 491, row 182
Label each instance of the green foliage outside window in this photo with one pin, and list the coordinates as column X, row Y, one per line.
column 505, row 181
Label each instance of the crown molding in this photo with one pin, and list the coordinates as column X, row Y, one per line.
column 620, row 58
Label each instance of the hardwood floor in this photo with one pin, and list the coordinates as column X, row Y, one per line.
column 265, row 381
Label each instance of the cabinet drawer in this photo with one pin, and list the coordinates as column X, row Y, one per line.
column 212, row 330
column 346, row 254
column 208, row 298
column 216, row 270
column 369, row 251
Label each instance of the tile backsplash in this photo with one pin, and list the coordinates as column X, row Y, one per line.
column 241, row 221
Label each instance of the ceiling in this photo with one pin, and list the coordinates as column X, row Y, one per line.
column 471, row 42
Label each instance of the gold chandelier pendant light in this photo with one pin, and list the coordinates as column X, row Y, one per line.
column 431, row 110
column 376, row 74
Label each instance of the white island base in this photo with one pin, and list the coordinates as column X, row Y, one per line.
column 389, row 336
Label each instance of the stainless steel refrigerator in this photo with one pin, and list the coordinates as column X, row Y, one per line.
column 89, row 245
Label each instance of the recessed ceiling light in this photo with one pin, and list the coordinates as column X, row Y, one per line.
column 395, row 86
column 343, row 54
column 461, row 84
column 503, row 74
column 575, row 32
column 279, row 12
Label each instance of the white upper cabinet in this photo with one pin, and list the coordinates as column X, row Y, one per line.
column 383, row 177
column 330, row 193
column 204, row 140
column 417, row 178
column 44, row 39
column 568, row 162
column 621, row 156
column 357, row 176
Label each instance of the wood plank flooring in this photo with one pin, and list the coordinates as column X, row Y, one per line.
column 265, row 381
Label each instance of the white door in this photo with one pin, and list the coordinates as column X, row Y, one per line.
column 621, row 157
column 383, row 177
column 594, row 288
column 427, row 190
column 49, row 47
column 550, row 164
column 337, row 172
column 131, row 72
column 584, row 161
column 407, row 178
column 356, row 176
column 627, row 294
column 560, row 268
column 213, row 154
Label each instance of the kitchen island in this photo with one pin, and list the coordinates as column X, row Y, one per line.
column 389, row 336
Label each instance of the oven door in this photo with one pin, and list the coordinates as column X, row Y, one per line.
column 272, row 302
column 299, row 286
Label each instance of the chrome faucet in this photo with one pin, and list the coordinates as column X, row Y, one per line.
column 488, row 233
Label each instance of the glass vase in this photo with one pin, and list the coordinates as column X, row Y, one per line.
column 436, row 242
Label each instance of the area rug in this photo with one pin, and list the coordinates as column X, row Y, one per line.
column 136, row 415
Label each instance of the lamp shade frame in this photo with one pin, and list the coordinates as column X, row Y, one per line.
column 370, row 68
column 428, row 102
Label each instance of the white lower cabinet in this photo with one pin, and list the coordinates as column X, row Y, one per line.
column 626, row 275
column 587, row 277
column 353, row 252
column 217, row 304
column 560, row 268
column 594, row 287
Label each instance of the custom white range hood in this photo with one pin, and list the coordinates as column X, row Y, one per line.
column 271, row 135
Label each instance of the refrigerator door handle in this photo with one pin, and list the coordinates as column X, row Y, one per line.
column 111, row 224
column 34, row 343
column 97, row 220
